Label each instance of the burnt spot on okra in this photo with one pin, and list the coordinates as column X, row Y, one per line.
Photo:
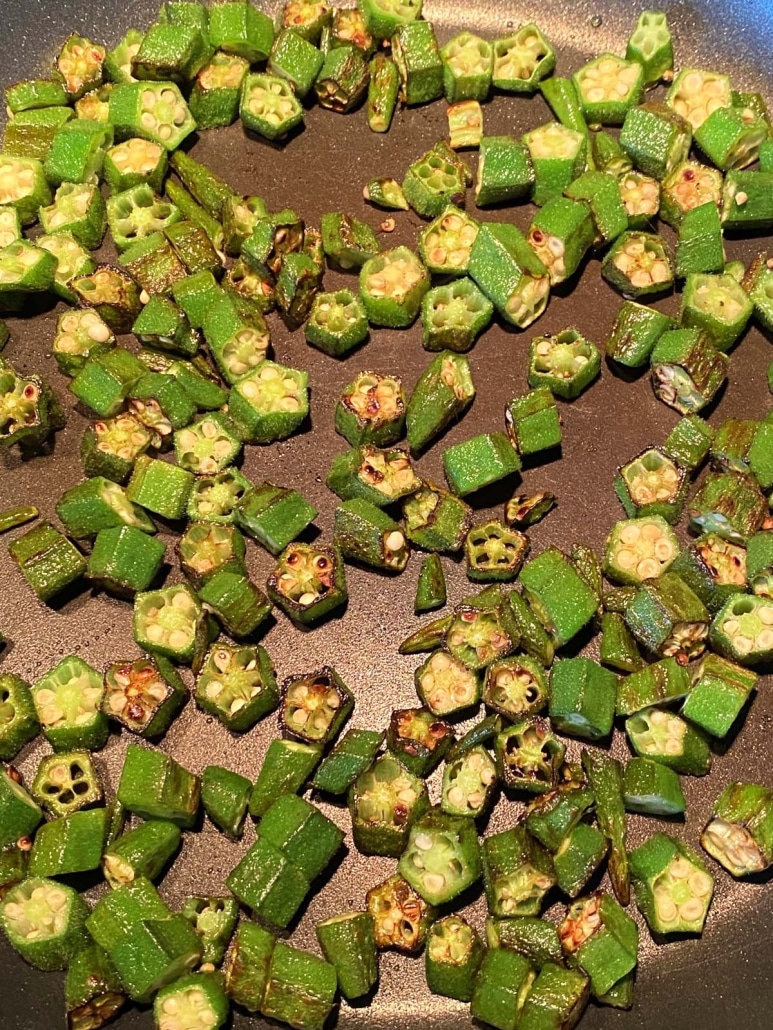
column 478, row 636
column 515, row 687
column 140, row 697
column 419, row 738
column 372, row 410
column 401, row 916
column 384, row 801
column 529, row 756
column 315, row 706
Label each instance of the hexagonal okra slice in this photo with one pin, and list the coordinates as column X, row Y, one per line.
column 695, row 94
column 134, row 161
column 154, row 110
column 743, row 629
column 673, row 887
column 372, row 410
column 19, row 406
column 270, row 403
column 469, row 782
column 690, row 185
column 141, row 697
column 442, row 857
column 478, row 636
column 522, row 60
column 237, row 685
column 79, row 65
column 68, row 700
column 494, row 552
column 197, row 1000
column 214, row 498
column 446, row 242
column 739, row 835
column 639, row 549
column 26, row 267
column 652, row 484
column 608, row 87
column 308, row 582
column 640, row 195
column 667, row 738
column 205, row 548
column 268, row 106
column 208, row 445
column 170, row 622
column 383, row 802
column 401, row 916
column 23, row 186
column 446, row 685
column 66, row 783
column 119, row 441
column 566, row 363
column 45, row 922
column 638, row 264
column 314, row 707
column 137, row 212
column 515, row 687
column 392, row 285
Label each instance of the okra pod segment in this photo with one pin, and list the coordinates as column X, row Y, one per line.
column 510, row 273
column 529, row 756
column 348, row 941
column 638, row 264
column 741, row 629
column 314, row 707
column 494, row 552
column 673, row 887
column 607, row 88
column 522, row 60
column 155, row 786
column 93, row 991
column 652, row 484
column 237, row 685
column 720, row 690
column 479, row 635
column 517, row 873
column 436, row 520
column 309, row 582
column 660, row 682
column 44, row 922
column 66, row 783
column 605, row 779
column 143, row 695
column 738, row 834
column 383, row 88
column 143, row 851
column 468, row 63
column 384, row 801
column 452, row 958
column 419, row 739
column 469, row 783
column 667, row 738
column 601, row 939
column 729, row 504
column 401, row 916
column 651, row 788
column 566, row 363
column 445, row 685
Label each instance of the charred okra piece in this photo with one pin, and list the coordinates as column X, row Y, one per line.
column 308, row 582
column 552, row 817
column 606, row 782
column 673, row 887
column 93, row 992
column 343, row 79
column 237, row 685
column 600, row 938
column 113, row 294
column 143, row 695
column 469, row 783
column 247, row 965
column 714, row 569
column 143, row 851
column 729, row 504
column 401, row 916
column 523, row 510
column 200, row 996
column 741, row 630
column 44, row 922
column 650, row 485
column 639, row 549
column 638, row 264
column 225, row 797
column 154, row 786
column 557, row 999
column 480, row 634
column 348, row 942
column 384, row 801
column 367, row 534
column 517, row 873
column 560, row 597
column 651, row 788
column 508, row 271
column 383, row 88
column 416, row 54
column 348, row 242
column 419, row 739
column 561, row 233
column 668, row 618
column 515, row 687
column 286, row 768
column 445, row 684
column 529, row 756
column 666, row 738
column 738, row 834
column 337, row 323
column 68, row 702
column 689, row 442
column 315, row 707
column 659, row 683
column 435, row 520
column 29, row 410
column 494, row 552
column 371, row 410
column 718, row 305
column 534, row 938
column 636, row 331
column 582, row 698
column 566, row 363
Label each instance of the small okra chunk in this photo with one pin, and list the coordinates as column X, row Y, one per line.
column 668, row 618
column 618, row 648
column 208, row 445
column 695, row 94
column 285, row 769
column 501, row 988
column 142, row 851
column 666, row 738
column 93, row 991
column 582, row 698
column 442, row 394
column 71, row 844
column 742, row 629
column 297, row 283
column 34, row 94
column 758, row 284
column 23, row 186
column 660, row 683
column 377, row 476
column 20, row 813
column 171, row 622
column 478, row 462
column 478, row 636
column 384, row 801
column 153, row 264
column 214, row 99
column 739, row 834
column 650, row 44
column 77, row 151
column 651, row 788
column 419, row 739
column 155, row 111
column 238, row 605
column 308, row 582
column 348, row 941
column 719, row 692
column 25, row 268
column 160, row 487
column 272, row 515
column 72, row 260
column 302, row 833
column 561, row 233
column 225, row 797
column 529, row 757
column 237, row 684
column 656, row 138
column 557, row 156
column 566, row 363
column 557, row 998
column 240, row 215
column 237, row 335
column 689, row 185
column 337, row 323
column 699, row 245
column 442, row 857
column 98, row 504
column 600, row 938
column 162, row 404
column 343, row 79
column 759, row 564
column 468, row 62
column 445, row 244
column 154, row 786
column 494, row 552
column 104, row 382
column 453, row 957
column 385, row 193
column 430, row 586
column 509, row 272
column 247, row 964
column 44, row 922
column 315, row 706
column 79, row 65
column 118, row 61
column 516, row 687
column 714, row 569
column 401, row 916
column 350, row 756
column 29, row 411
column 124, row 560
column 135, row 162
column 136, row 213
column 144, row 695
column 672, row 885
column 432, row 183
column 561, row 599
column 636, row 330
column 268, row 106
column 640, row 195
column 652, row 484
column 68, row 702
column 639, row 549
column 110, row 448
column 517, row 872
column 214, row 919
column 469, row 783
column 717, row 305
column 348, row 26
column 522, row 60
column 689, row 442
column 66, row 783
column 366, row 534
column 348, row 242
column 453, row 315
column 383, row 90
column 112, row 293
column 534, row 425
column 417, row 56
column 603, row 194
column 729, row 504
column 607, row 88
column 638, row 264
column 205, row 548
column 746, row 201
column 392, row 285
column 270, row 403
column 731, row 137
column 196, row 999
column 435, row 520
column 10, row 226
column 371, row 410
column 552, row 817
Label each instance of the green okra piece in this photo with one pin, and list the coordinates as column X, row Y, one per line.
column 300, row 989
column 684, row 885
column 20, row 723
column 268, row 883
column 144, row 695
column 143, row 851
column 668, row 618
column 529, row 757
column 365, row 533
column 551, row 817
column 384, row 801
column 393, row 299
column 658, row 734
column 77, row 151
column 469, row 783
column 445, row 244
column 558, row 156
column 431, row 586
column 214, row 920
column 65, row 783
column 44, row 922
column 578, row 857
column 656, row 138
column 652, row 484
column 98, row 504
column 607, row 88
column 509, row 273
column 350, row 756
column 105, row 381
column 371, row 410
column 435, row 180
column 601, row 192
column 193, row 247
column 523, row 510
column 606, row 782
column 155, row 953
column 19, row 812
column 517, row 873
column 295, row 59
column 561, row 233
column 268, row 106
column 453, row 315
column 308, row 583
column 501, row 987
column 728, row 504
column 273, row 515
column 269, row 403
column 68, row 702
column 738, row 834
column 155, row 111
column 534, row 938
column 28, row 188
column 478, row 633
column 618, row 647
column 442, row 856
column 689, row 442
column 720, row 690
column 687, row 370
column 651, row 788
column 71, row 844
column 201, row 993
column 757, row 282
column 659, row 683
column 533, row 422
column 636, row 330
column 740, row 631
column 30, row 134
column 560, row 597
column 11, row 518
column 713, row 568
column 225, row 796
column 124, row 560
column 566, row 363
column 745, row 201
column 214, row 99
column 305, row 836
column 337, row 323
column 160, row 402
column 315, row 706
column 759, row 563
column 731, row 137
column 515, row 687
column 33, row 94
column 650, row 44
column 452, row 958
column 117, row 912
column 699, row 245
column 172, row 52
column 287, row 766
column 343, row 79
column 417, row 56
column 494, row 552
column 386, row 193
column 401, row 916
column 192, row 211
column 237, row 603
column 445, row 685
column 93, row 992
column 348, row 242
column 441, row 395
column 522, row 60
column 465, row 124
column 478, row 462
column 639, row 549
column 195, row 294
column 557, row 999
column 153, row 265
column 561, row 97
column 481, row 734
column 638, row 264
column 582, row 698
column 436, row 520
column 240, row 215
column 601, row 939
column 348, row 942
column 160, row 487
column 72, row 260
column 383, row 19
column 247, row 965
column 468, row 63
column 154, row 786
column 419, row 739
column 718, row 305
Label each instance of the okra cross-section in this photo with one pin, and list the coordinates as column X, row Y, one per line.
column 314, row 707
column 268, row 106
column 673, row 887
column 170, row 622
column 453, row 315
column 367, row 534
column 522, row 60
column 66, row 782
column 742, row 630
column 309, row 582
column 494, row 552
column 739, row 834
column 143, row 695
column 68, row 701
column 208, row 445
column 510, row 273
column 529, row 756
column 375, row 475
column 371, row 410
column 419, row 739
column 695, row 94
column 154, row 111
column 401, row 916
column 197, row 999
column 442, row 857
column 337, row 323
column 392, row 285
column 446, row 242
column 479, row 636
column 469, row 783
column 566, row 363
column 18, row 717
column 601, row 939
column 515, row 687
column 652, row 484
column 446, row 685
column 639, row 549
column 204, row 549
column 270, row 403
column 638, row 264
column 237, row 685
column 45, row 922
column 667, row 738
column 383, row 802
column 517, row 872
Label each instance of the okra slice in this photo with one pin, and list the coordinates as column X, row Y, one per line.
column 118, row 61
column 136, row 213
column 93, row 992
column 112, row 294
column 162, row 404
column 517, row 873
column 254, row 286
column 237, row 685
column 143, row 851
column 68, row 703
column 741, row 629
column 205, row 549
column 295, row 59
column 453, row 956
column 348, row 242
column 25, row 268
column 238, row 605
column 690, row 185
column 18, row 717
column 225, row 798
column 144, row 695
column 601, row 939
column 442, row 857
column 509, row 272
column 738, row 834
column 561, row 233
column 689, row 441
column 478, row 636
column 731, row 137
column 386, row 193
column 717, row 305
column 699, row 246
column 48, row 561
column 308, row 582
column 135, row 162
column 79, row 65
column 552, row 817
column 117, row 913
column 110, row 448
column 607, row 88
column 383, row 89
column 270, row 403
column 664, row 737
column 155, row 953
column 419, row 739
column 720, row 690
column 214, row 920
column 350, row 756
column 494, row 552
column 661, row 682
column 208, row 445
column 348, row 26
column 70, row 844
column 522, row 60
column 534, row 425
column 431, row 586
column 656, row 138
column 529, row 757
column 638, row 264
column 401, row 916
column 562, row 600
column 348, row 941
column 197, row 999
column 367, row 534
column 639, row 549
column 66, row 783
column 445, row 685
column 759, row 564
column 714, row 569
column 240, row 216
column 445, row 244
column 501, row 987
column 273, row 515
column 125, row 560
column 651, row 788
column 99, row 504
column 286, row 768
column 566, row 363
column 337, row 323
column 154, row 786
column 44, row 922
column 237, row 335
column 469, row 783
column 34, row 94
column 19, row 812
column 416, row 54
column 467, row 68
column 672, row 885
column 668, row 618
column 650, row 44
column 171, row 622
column 695, row 94
column 343, row 79
column 23, row 186
column 515, row 687
column 435, row 520
column 300, row 989
column 10, row 226
column 454, row 315
column 154, row 111
column 604, row 775
column 302, row 833
column 30, row 134
column 371, row 410
column 729, row 504
column 314, row 707
column 72, row 260
column 384, row 801
column 536, row 939
column 247, row 965
column 640, row 195
column 582, row 698
column 392, row 285
column 652, row 484
column 433, row 182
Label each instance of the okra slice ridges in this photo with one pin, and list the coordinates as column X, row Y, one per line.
column 208, row 445
column 522, row 60
column 638, row 264
column 695, row 94
column 383, row 802
column 478, row 636
column 517, row 872
column 608, row 87
column 566, row 363
column 652, row 484
column 401, row 916
column 601, row 939
column 467, row 66
column 742, row 630
column 371, row 410
column 314, row 707
column 738, row 834
column 673, row 887
column 392, row 285
column 237, row 685
column 665, row 737
column 155, row 111
column 494, row 552
column 45, row 922
column 66, row 782
column 650, row 44
column 446, row 685
column 68, row 701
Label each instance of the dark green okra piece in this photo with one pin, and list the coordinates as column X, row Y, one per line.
column 154, row 786
column 636, row 330
column 71, row 844
column 689, row 442
column 93, row 992
column 601, row 939
column 371, row 410
column 348, row 942
column 618, row 648
column 155, row 953
column 552, row 817
column 533, row 422
column 720, row 690
column 305, row 836
column 351, row 755
column 441, row 395
column 501, row 987
column 20, row 722
column 98, row 504
column 202, row 993
column 144, row 695
column 534, row 938
column 417, row 56
column 308, row 582
column 561, row 233
column 557, row 999
column 660, row 682
column 19, row 812
column 384, row 800
column 237, row 685
column 469, row 783
column 517, row 873
column 606, row 782
column 367, row 534
column 565, row 363
column 651, row 788
column 125, row 560
column 668, row 618
column 337, row 323
column 453, row 955
column 713, row 568
column 237, row 603
column 738, row 834
column 300, row 989
column 247, row 965
column 435, row 519
column 673, row 887
column 269, row 884
column 699, row 246
column 665, row 737
column 494, row 552
column 383, row 89
column 562, row 600
column 442, row 857
column 529, row 756
column 273, row 515
column 44, row 922
column 729, row 504
column 393, row 299
column 214, row 99
column 652, row 484
column 287, row 766
column 431, row 586
column 515, row 687
column 478, row 462
column 143, row 851
column 505, row 171
column 582, row 698
column 225, row 797
column 214, row 920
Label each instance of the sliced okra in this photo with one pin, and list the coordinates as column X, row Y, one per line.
column 717, row 305
column 441, row 395
column 295, row 59
column 337, row 323
column 741, row 630
column 296, row 286
column 561, row 234
column 44, row 922
column 478, row 462
column 453, row 316
column 582, row 698
column 155, row 111
column 442, row 857
column 98, row 504
column 720, row 690
column 401, row 916
column 690, row 185
column 673, row 887
column 79, row 65
column 417, row 56
column 93, row 991
column 71, row 844
column 668, row 618
column 235, row 601
column 112, row 294
column 689, row 442
column 640, row 196
column 738, row 834
column 171, row 622
column 469, row 783
column 20, row 812
column 153, row 265
column 494, row 552
column 522, row 60
column 285, row 769
column 154, row 786
column 214, row 919
column 68, row 703
column 419, row 739
column 445, row 244
column 639, row 549
column 118, row 61
column 77, row 151
column 343, row 79
column 384, row 800
column 635, row 333
column 453, row 957
column 604, row 195
column 65, row 783
column 601, row 939
column 162, row 404
column 435, row 520
column 558, row 157
column 26, row 268
column 650, row 44
column 194, row 212
column 731, row 137
column 552, row 817
column 302, row 833
column 714, row 569
column 269, row 403
column 143, row 695
column 347, row 241
column 517, row 872
column 651, row 788
column 143, row 851
column 566, row 363
column 656, row 138
column 529, row 758
column 516, row 687
column 729, row 504
column 237, row 685
column 432, row 183
column 468, row 63
column 255, row 286
column 652, row 484
column 240, row 216
column 350, row 756
column 533, row 424
column 23, row 186
column 206, row 548
column 214, row 99
column 197, row 996
column 308, row 582
column 695, row 94
column 124, row 560
column 759, row 564
column 386, row 193
column 509, row 272
column 29, row 410
column 607, row 88
column 348, row 941
column 33, row 94
column 30, row 134
column 372, row 474
column 501, row 987
column 638, row 264
column 479, row 636
column 247, row 965
column 604, row 775
column 562, row 600
column 314, row 707
column 431, row 586
column 225, row 798
column 371, row 410
column 208, row 445
column 72, row 260
column 348, row 26
column 699, row 246
column 666, row 738
column 110, row 448
column 618, row 647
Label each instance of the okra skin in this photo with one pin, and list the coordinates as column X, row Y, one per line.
column 667, row 738
column 605, row 780
column 93, row 992
column 351, row 755
column 636, row 331
column 70, row 844
column 19, row 813
column 383, row 88
column 153, row 785
column 651, row 788
column 247, row 965
column 300, row 989
column 582, row 698
column 305, row 836
column 452, row 958
column 286, row 767
column 143, row 851
column 739, row 834
column 578, row 858
column 269, row 884
column 225, row 798
column 560, row 597
column 557, row 999
column 502, row 985
column 348, row 942
column 517, row 873
column 552, row 817
column 606, row 948
column 680, row 903
column 21, row 722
